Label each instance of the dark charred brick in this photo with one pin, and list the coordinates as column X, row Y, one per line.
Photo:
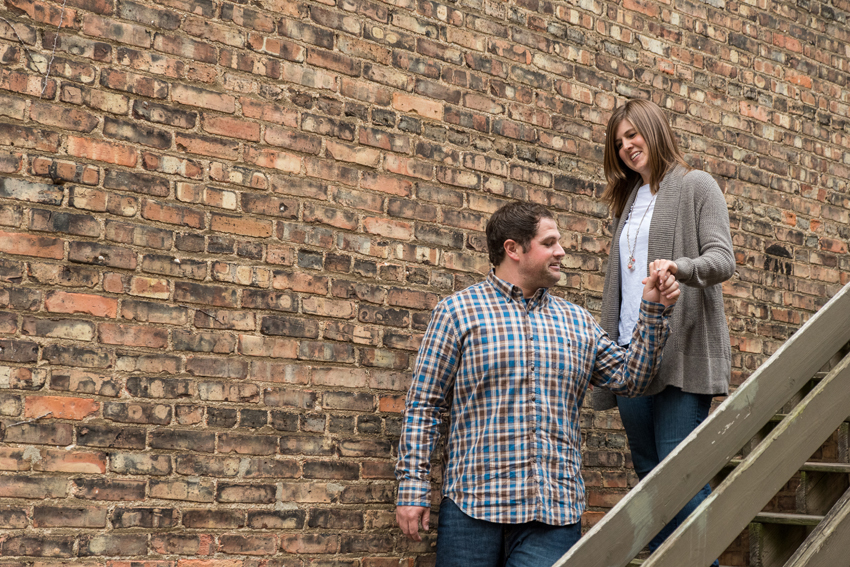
column 96, row 435
column 39, row 546
column 153, row 518
column 213, row 519
column 108, row 489
column 313, row 445
column 382, row 316
column 163, row 388
column 132, row 412
column 40, row 433
column 136, row 182
column 205, row 465
column 252, row 419
column 272, row 468
column 289, row 327
column 182, row 440
column 221, row 417
column 331, row 470
column 284, row 421
column 338, row 519
column 246, row 493
column 277, row 520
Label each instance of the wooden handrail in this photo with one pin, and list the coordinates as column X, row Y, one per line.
column 704, row 535
column 641, row 514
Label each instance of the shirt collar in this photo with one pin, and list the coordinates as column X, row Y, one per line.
column 514, row 293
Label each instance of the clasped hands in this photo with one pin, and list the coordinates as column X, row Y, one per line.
column 661, row 285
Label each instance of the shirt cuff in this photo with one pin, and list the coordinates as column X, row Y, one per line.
column 414, row 493
column 653, row 312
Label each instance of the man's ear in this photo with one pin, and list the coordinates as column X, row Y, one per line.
column 512, row 249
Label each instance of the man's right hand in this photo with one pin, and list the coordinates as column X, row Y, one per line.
column 661, row 285
column 409, row 518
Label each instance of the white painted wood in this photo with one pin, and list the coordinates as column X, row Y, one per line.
column 829, row 544
column 722, row 516
column 624, row 531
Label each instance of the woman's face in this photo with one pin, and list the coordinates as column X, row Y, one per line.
column 631, row 147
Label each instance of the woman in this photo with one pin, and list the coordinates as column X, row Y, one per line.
column 664, row 209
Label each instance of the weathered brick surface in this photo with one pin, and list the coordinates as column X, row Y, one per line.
column 223, row 227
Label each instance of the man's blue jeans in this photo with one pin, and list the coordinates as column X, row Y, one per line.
column 463, row 541
column 655, row 425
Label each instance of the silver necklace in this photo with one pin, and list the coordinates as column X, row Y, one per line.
column 632, row 247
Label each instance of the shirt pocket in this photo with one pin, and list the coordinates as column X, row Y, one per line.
column 560, row 355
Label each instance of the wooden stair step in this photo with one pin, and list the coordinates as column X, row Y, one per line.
column 639, row 562
column 788, row 519
column 811, row 466
column 780, row 416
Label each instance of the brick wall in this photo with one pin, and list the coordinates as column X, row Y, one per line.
column 223, row 226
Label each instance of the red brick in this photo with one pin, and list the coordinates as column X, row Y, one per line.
column 172, row 214
column 203, row 98
column 232, row 127
column 60, row 407
column 65, row 118
column 354, row 154
column 293, row 140
column 185, row 47
column 23, row 83
column 60, row 460
column 120, row 32
column 278, row 47
column 12, row 459
column 367, row 92
column 133, row 335
column 28, row 245
column 209, row 563
column 391, row 404
column 96, row 305
column 389, row 228
column 102, row 151
column 269, row 112
column 281, row 161
column 241, row 225
column 133, row 83
column 408, row 167
column 65, row 170
column 312, row 543
column 207, row 146
column 422, row 106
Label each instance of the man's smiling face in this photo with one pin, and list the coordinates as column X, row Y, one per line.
column 540, row 265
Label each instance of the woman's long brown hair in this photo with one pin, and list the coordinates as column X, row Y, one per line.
column 662, row 151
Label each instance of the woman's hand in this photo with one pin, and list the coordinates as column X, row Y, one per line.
column 667, row 267
column 661, row 285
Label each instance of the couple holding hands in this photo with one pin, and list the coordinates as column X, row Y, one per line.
column 510, row 362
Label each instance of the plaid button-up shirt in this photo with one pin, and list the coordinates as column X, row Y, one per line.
column 513, row 374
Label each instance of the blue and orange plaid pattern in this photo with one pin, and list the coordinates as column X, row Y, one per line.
column 512, row 374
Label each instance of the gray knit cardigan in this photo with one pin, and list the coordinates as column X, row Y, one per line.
column 690, row 225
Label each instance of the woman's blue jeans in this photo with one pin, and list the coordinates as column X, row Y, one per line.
column 655, row 425
column 463, row 541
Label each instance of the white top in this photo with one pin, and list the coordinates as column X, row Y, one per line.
column 631, row 288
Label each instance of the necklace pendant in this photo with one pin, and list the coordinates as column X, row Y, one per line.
column 631, row 264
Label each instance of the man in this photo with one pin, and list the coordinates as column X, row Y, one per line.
column 511, row 363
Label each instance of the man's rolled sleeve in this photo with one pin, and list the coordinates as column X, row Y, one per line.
column 629, row 371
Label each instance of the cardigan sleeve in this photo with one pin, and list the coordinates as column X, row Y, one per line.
column 716, row 261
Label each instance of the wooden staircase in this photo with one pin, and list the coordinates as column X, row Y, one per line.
column 776, row 533
column 777, row 450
